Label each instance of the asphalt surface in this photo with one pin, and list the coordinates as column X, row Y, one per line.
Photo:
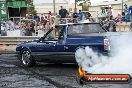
column 14, row 75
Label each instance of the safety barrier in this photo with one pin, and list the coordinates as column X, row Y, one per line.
column 9, row 43
column 123, row 27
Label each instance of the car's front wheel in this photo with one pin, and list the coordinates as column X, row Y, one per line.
column 26, row 58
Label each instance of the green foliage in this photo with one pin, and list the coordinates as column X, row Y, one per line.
column 84, row 5
column 31, row 9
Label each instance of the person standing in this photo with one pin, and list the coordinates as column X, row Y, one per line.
column 109, row 12
column 80, row 15
column 126, row 11
column 47, row 26
column 62, row 12
column 0, row 28
column 119, row 17
column 75, row 16
column 130, row 11
column 49, row 16
column 36, row 18
column 11, row 25
column 42, row 18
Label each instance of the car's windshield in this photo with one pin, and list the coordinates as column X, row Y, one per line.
column 54, row 33
column 85, row 28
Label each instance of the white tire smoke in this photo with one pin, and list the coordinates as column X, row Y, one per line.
column 120, row 61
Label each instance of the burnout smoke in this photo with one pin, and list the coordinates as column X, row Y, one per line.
column 119, row 61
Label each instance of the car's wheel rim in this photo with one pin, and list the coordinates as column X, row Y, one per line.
column 26, row 57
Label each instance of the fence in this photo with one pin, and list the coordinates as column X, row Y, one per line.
column 29, row 27
column 20, row 27
column 58, row 21
column 123, row 27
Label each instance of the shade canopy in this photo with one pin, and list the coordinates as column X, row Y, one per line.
column 18, row 4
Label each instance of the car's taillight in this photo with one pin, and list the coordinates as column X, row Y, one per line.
column 106, row 44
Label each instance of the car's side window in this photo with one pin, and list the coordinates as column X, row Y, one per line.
column 59, row 32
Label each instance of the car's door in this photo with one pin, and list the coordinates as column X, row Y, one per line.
column 46, row 46
column 47, row 49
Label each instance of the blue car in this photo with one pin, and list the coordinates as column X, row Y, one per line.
column 62, row 48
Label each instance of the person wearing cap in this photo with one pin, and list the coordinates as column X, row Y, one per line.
column 62, row 12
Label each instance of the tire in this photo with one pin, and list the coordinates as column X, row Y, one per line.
column 26, row 58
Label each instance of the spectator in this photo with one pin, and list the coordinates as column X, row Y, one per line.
column 11, row 25
column 118, row 18
column 0, row 28
column 80, row 15
column 32, row 27
column 109, row 12
column 49, row 16
column 3, row 30
column 75, row 16
column 126, row 12
column 30, row 16
column 112, row 25
column 130, row 11
column 45, row 21
column 37, row 18
column 42, row 18
column 123, row 16
column 41, row 30
column 47, row 26
column 67, row 15
column 28, row 30
column 62, row 12
column 58, row 16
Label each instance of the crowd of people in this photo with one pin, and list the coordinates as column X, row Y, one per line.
column 26, row 27
column 109, row 23
column 39, row 25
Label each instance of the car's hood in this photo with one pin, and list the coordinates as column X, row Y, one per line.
column 32, row 41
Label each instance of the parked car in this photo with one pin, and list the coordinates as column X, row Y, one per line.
column 70, row 38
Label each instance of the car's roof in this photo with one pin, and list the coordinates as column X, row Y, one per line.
column 78, row 23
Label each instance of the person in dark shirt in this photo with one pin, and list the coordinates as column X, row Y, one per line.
column 0, row 28
column 130, row 11
column 62, row 12
column 37, row 18
column 42, row 18
column 75, row 14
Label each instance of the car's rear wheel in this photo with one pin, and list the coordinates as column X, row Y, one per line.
column 27, row 59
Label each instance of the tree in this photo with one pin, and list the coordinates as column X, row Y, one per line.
column 30, row 10
column 84, row 3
